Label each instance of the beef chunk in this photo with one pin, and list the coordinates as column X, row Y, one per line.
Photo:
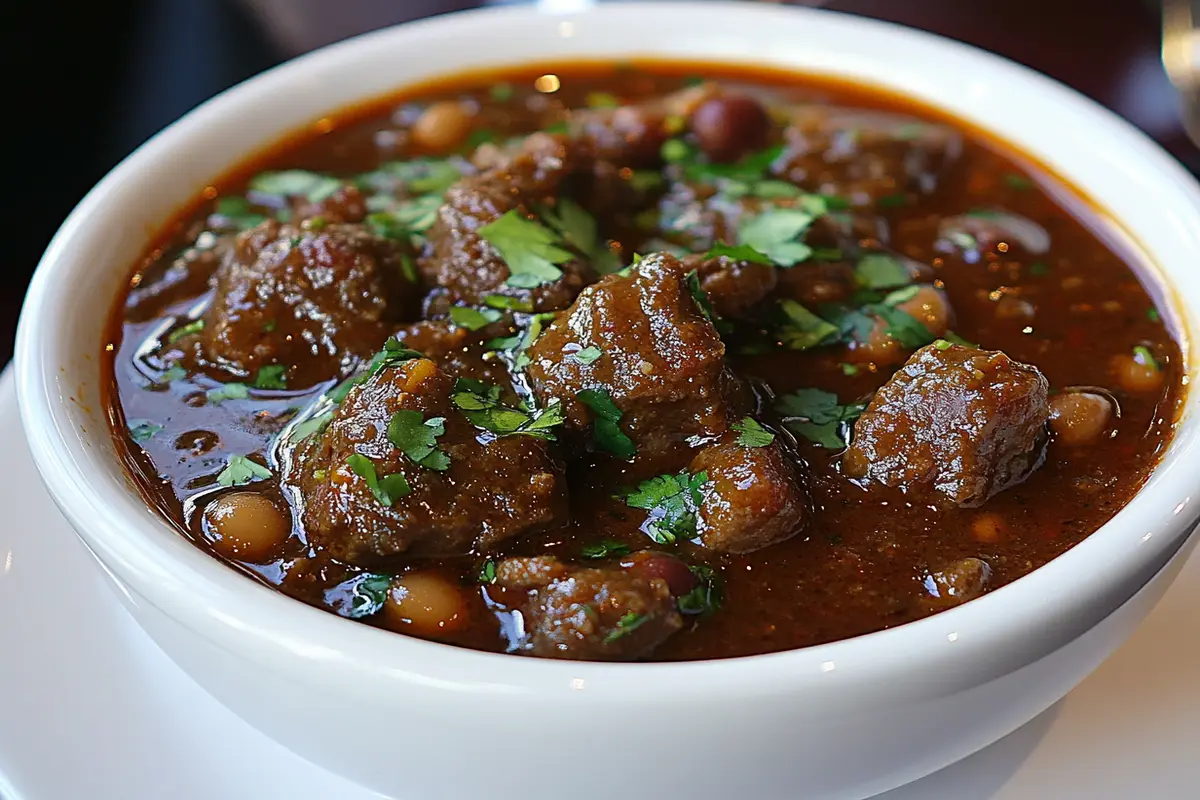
column 461, row 353
column 955, row 583
column 864, row 156
column 661, row 360
column 752, row 499
column 347, row 204
column 733, row 287
column 317, row 300
column 466, row 266
column 489, row 492
column 604, row 613
column 967, row 423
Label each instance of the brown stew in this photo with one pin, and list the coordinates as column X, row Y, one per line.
column 640, row 361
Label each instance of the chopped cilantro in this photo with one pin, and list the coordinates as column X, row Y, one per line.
column 171, row 374
column 392, row 353
column 672, row 502
column 1039, row 268
column 1143, row 356
column 195, row 326
column 417, row 437
column 501, row 92
column 675, row 151
column 295, row 183
column 473, row 319
column 235, row 212
column 480, row 403
column 310, row 426
column 645, row 180
column 269, row 326
column 881, row 271
column 558, row 127
column 706, row 596
column 909, row 331
column 144, row 431
column 892, row 200
column 751, row 433
column 408, row 268
column 604, row 549
column 228, row 391
column 626, row 625
column 827, row 254
column 487, row 573
column 742, row 252
column 1017, row 181
column 909, row 131
column 817, row 416
column 516, row 346
column 1153, row 315
column 849, row 370
column 415, row 176
column 700, row 296
column 528, row 247
column 942, row 344
column 775, row 190
column 776, row 232
column 240, row 470
column 272, row 376
column 367, row 594
column 954, row 338
column 606, row 432
column 588, row 354
column 800, row 328
column 578, row 229
column 508, row 303
column 750, row 169
column 479, row 136
column 387, row 489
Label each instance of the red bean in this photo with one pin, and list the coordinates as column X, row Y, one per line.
column 675, row 573
column 728, row 127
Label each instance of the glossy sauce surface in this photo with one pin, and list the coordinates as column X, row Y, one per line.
column 1054, row 294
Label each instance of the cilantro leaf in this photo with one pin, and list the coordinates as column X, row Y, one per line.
column 480, row 403
column 415, row 176
column 1142, row 355
column 579, row 229
column 604, row 549
column 228, row 391
column 310, row 426
column 170, row 375
column 742, row 252
column 776, row 232
column 881, row 271
column 487, row 573
column 751, row 433
column 473, row 319
column 606, row 432
column 508, row 303
column 529, row 248
column 909, row 331
column 295, row 183
column 588, row 354
column 144, row 431
column 954, row 338
column 802, row 329
column 393, row 353
column 240, row 470
column 195, row 326
column 272, row 376
column 387, row 489
column 235, row 212
column 626, row 625
column 818, row 416
column 417, row 437
column 706, row 596
column 514, row 347
column 672, row 502
column 700, row 296
column 361, row 596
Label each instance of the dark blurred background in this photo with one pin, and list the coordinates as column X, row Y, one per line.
column 91, row 81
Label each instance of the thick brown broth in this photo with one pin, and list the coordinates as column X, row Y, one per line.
column 1073, row 311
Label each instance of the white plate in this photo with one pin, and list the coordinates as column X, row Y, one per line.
column 90, row 708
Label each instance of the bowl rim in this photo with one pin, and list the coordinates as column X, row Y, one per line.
column 242, row 614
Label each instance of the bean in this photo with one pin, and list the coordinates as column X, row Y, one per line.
column 988, row 527
column 1079, row 418
column 441, row 127
column 246, row 526
column 1136, row 374
column 730, row 126
column 425, row 604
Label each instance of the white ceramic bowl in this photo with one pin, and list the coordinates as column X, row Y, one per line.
column 415, row 719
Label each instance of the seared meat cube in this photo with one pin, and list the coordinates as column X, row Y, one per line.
column 347, row 204
column 477, row 496
column 456, row 350
column 864, row 156
column 605, row 613
column 967, row 423
column 660, row 359
column 733, row 287
column 752, row 499
column 465, row 265
column 314, row 300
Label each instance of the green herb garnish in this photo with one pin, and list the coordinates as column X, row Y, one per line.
column 602, row 100
column 228, row 391
column 706, row 596
column 501, row 92
column 529, row 248
column 625, row 626
column 195, row 326
column 368, row 593
column 387, row 489
column 1017, row 181
column 776, row 233
column 295, row 183
column 881, row 271
column 310, row 426
column 508, row 303
column 672, row 502
column 240, row 470
column 849, row 370
column 741, row 252
column 1153, row 315
column 480, row 403
column 605, row 549
column 579, row 230
column 606, row 432
column 272, row 376
column 801, row 329
column 144, row 431
column 487, row 573
column 474, row 319
column 1143, row 356
column 817, row 416
column 692, row 279
column 751, row 433
column 417, row 437
column 238, row 213
column 587, row 355
column 392, row 353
